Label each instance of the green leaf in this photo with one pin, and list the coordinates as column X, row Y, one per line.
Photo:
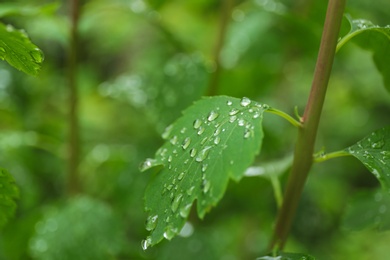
column 374, row 38
column 17, row 49
column 81, row 221
column 216, row 139
column 8, row 193
column 11, row 9
column 368, row 209
column 287, row 256
column 374, row 152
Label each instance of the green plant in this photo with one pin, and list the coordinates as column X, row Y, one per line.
column 217, row 138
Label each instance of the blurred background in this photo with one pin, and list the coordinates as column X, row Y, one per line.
column 141, row 62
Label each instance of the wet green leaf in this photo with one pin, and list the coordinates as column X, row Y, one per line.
column 17, row 49
column 374, row 38
column 216, row 139
column 287, row 256
column 368, row 209
column 8, row 193
column 374, row 152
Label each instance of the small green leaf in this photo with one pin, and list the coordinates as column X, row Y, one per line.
column 216, row 139
column 374, row 38
column 8, row 193
column 17, row 49
column 287, row 256
column 374, row 152
column 368, row 209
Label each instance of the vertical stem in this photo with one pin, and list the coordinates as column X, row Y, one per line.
column 303, row 156
column 73, row 184
column 225, row 17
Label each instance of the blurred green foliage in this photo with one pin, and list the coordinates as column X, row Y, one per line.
column 141, row 63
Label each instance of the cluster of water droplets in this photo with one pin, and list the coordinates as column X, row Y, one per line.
column 187, row 154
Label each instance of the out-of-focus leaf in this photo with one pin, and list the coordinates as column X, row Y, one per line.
column 83, row 229
column 288, row 256
column 374, row 38
column 10, row 9
column 216, row 139
column 368, row 209
column 17, row 49
column 8, row 193
column 374, row 152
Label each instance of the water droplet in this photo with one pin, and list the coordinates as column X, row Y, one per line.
column 146, row 243
column 186, row 161
column 170, row 232
column 190, row 191
column 212, row 116
column 378, row 145
column 176, row 202
column 204, row 167
column 170, row 158
column 197, row 123
column 229, row 103
column 37, row 55
column 204, row 141
column 201, row 130
column 241, row 122
column 193, row 152
column 232, row 119
column 247, row 133
column 173, row 140
column 147, row 164
column 170, row 186
column 217, row 140
column 167, row 132
column 186, row 143
column 181, row 176
column 151, row 223
column 256, row 115
column 183, row 130
column 202, row 155
column 217, row 131
column 245, row 102
column 185, row 211
column 233, row 112
column 206, row 186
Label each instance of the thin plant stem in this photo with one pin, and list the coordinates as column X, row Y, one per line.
column 73, row 184
column 285, row 116
column 328, row 156
column 225, row 17
column 303, row 155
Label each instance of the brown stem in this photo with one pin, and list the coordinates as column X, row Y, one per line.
column 304, row 148
column 225, row 17
column 73, row 184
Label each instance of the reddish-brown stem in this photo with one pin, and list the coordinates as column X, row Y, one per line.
column 303, row 156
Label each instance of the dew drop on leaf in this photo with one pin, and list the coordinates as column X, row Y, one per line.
column 204, row 167
column 232, row 119
column 176, row 202
column 202, row 155
column 151, row 223
column 37, row 55
column 167, row 132
column 186, row 143
column 245, row 102
column 378, row 145
column 181, row 175
column 190, row 191
column 147, row 164
column 212, row 116
column 201, row 130
column 234, row 111
column 170, row 233
column 229, row 102
column 193, row 152
column 197, row 123
column 241, row 122
column 247, row 133
column 173, row 140
column 185, row 211
column 217, row 140
column 206, row 186
column 146, row 243
column 204, row 140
